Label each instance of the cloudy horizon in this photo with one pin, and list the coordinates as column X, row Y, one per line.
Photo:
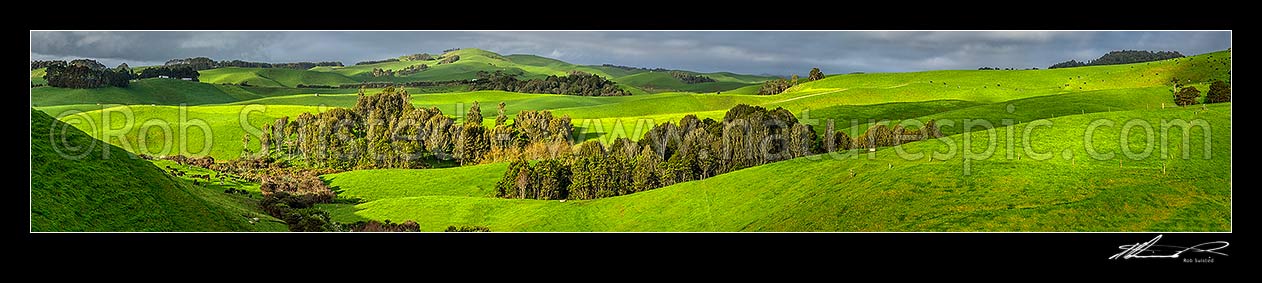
column 747, row 52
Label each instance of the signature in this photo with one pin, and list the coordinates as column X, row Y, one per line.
column 1151, row 249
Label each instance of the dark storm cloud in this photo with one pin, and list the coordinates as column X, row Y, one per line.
column 753, row 52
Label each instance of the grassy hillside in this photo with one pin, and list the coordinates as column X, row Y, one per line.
column 470, row 181
column 473, row 60
column 1056, row 194
column 106, row 188
column 1068, row 192
column 162, row 92
column 272, row 77
column 162, row 127
column 968, row 94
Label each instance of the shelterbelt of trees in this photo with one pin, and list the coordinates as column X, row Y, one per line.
column 576, row 83
column 690, row 78
column 203, row 63
column 689, row 150
column 87, row 73
column 1121, row 57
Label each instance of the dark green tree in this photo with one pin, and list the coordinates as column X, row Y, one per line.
column 774, row 87
column 475, row 114
column 507, row 186
column 645, row 176
column 815, row 75
column 1186, row 96
column 1219, row 91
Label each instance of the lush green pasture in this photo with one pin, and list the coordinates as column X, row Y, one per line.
column 163, row 92
column 1065, row 192
column 172, row 130
column 1032, row 93
column 1055, row 186
column 81, row 184
column 470, row 181
column 272, row 77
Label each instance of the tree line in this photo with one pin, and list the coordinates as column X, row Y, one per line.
column 386, row 131
column 294, row 65
column 417, row 57
column 45, row 64
column 691, row 149
column 778, row 86
column 1121, row 57
column 303, row 86
column 1006, row 69
column 376, row 61
column 629, row 68
column 690, row 78
column 379, row 72
column 85, row 73
column 203, row 63
column 404, row 84
column 574, row 84
column 176, row 71
column 414, row 57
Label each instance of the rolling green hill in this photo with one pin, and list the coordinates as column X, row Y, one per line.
column 473, row 60
column 470, row 181
column 819, row 195
column 1068, row 192
column 162, row 92
column 272, row 77
column 894, row 96
column 104, row 188
column 1057, row 194
column 224, row 121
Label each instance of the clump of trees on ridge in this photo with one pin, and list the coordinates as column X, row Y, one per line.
column 1121, row 57
column 85, row 73
column 417, row 57
column 778, row 86
column 690, row 78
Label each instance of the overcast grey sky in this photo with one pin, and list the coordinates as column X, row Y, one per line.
column 750, row 52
